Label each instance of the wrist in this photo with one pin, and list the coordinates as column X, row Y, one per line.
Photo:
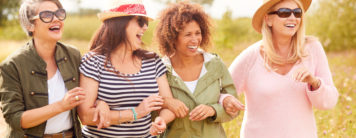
column 60, row 106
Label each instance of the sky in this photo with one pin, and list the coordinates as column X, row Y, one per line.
column 239, row 8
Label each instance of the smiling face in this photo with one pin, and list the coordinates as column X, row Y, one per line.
column 49, row 31
column 135, row 30
column 284, row 26
column 189, row 39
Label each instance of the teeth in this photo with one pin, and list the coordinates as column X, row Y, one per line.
column 140, row 35
column 54, row 27
column 290, row 25
column 192, row 47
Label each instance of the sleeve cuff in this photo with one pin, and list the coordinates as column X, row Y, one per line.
column 222, row 97
column 321, row 87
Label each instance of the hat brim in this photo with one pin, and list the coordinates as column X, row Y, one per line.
column 258, row 17
column 107, row 15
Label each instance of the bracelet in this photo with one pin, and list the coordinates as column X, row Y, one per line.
column 134, row 114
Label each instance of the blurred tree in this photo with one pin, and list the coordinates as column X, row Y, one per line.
column 8, row 10
column 207, row 2
column 334, row 22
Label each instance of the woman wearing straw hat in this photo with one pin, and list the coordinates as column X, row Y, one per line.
column 283, row 76
column 196, row 78
column 38, row 87
column 122, row 80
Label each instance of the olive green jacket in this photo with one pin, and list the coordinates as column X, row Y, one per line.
column 206, row 92
column 23, row 85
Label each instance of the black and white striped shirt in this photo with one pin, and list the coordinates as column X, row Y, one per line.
column 122, row 93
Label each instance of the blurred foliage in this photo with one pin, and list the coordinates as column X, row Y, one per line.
column 334, row 22
column 8, row 10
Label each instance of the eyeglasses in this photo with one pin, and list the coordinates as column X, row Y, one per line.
column 142, row 21
column 286, row 12
column 47, row 16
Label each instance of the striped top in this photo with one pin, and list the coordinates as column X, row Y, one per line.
column 122, row 93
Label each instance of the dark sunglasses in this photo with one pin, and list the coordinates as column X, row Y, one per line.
column 142, row 21
column 286, row 12
column 47, row 16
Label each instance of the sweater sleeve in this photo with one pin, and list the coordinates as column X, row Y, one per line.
column 326, row 96
column 239, row 68
column 11, row 97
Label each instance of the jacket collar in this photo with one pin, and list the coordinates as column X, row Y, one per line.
column 213, row 73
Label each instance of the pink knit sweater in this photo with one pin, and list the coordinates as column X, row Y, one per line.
column 277, row 106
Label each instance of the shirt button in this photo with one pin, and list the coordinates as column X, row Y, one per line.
column 33, row 72
column 65, row 58
column 73, row 79
column 32, row 93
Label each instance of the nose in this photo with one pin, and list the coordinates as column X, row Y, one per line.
column 145, row 27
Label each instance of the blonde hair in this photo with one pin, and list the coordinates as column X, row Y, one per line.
column 28, row 10
column 297, row 51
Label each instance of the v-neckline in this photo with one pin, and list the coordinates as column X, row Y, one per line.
column 271, row 70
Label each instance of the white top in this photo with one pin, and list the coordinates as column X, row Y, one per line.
column 56, row 92
column 193, row 84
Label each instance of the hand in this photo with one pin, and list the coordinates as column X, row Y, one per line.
column 232, row 105
column 102, row 112
column 72, row 98
column 176, row 106
column 158, row 126
column 303, row 75
column 149, row 104
column 201, row 112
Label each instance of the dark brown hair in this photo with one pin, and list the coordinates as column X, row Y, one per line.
column 173, row 19
column 111, row 34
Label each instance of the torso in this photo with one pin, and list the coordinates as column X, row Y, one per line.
column 191, row 72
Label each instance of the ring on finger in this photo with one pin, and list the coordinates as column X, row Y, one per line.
column 76, row 97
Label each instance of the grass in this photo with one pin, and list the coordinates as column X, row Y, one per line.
column 337, row 122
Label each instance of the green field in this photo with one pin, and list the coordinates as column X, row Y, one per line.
column 229, row 40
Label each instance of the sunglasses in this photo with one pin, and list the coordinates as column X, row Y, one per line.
column 47, row 16
column 286, row 12
column 142, row 21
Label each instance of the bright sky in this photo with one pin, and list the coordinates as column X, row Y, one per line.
column 240, row 8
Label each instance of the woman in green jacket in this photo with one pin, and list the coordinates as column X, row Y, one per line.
column 196, row 78
column 38, row 83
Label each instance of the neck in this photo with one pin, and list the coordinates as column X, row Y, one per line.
column 45, row 49
column 282, row 45
column 182, row 61
column 122, row 54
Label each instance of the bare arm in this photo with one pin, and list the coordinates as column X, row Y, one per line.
column 34, row 117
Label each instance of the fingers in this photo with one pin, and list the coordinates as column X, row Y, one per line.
column 199, row 113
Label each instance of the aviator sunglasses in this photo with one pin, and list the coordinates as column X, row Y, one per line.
column 286, row 12
column 47, row 16
column 142, row 21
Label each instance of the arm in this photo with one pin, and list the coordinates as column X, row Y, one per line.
column 227, row 88
column 326, row 96
column 87, row 111
column 14, row 108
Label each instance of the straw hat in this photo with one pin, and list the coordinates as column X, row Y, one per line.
column 124, row 8
column 267, row 4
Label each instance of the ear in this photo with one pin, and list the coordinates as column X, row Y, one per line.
column 31, row 28
column 268, row 20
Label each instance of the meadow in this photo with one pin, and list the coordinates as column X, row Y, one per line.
column 231, row 36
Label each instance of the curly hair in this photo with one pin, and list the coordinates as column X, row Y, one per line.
column 173, row 19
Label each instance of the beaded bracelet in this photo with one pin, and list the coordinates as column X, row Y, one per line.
column 134, row 114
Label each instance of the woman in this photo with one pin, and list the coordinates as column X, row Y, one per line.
column 284, row 76
column 196, row 78
column 38, row 87
column 122, row 81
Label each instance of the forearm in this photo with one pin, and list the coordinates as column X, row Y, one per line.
column 167, row 115
column 35, row 117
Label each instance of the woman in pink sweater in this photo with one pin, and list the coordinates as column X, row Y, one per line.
column 283, row 76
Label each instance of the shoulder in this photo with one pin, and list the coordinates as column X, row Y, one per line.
column 21, row 55
column 70, row 48
column 313, row 45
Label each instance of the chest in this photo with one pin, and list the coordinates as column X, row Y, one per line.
column 190, row 73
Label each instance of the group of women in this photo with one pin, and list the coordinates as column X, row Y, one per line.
column 118, row 89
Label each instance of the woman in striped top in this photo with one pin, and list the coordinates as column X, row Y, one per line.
column 122, row 81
